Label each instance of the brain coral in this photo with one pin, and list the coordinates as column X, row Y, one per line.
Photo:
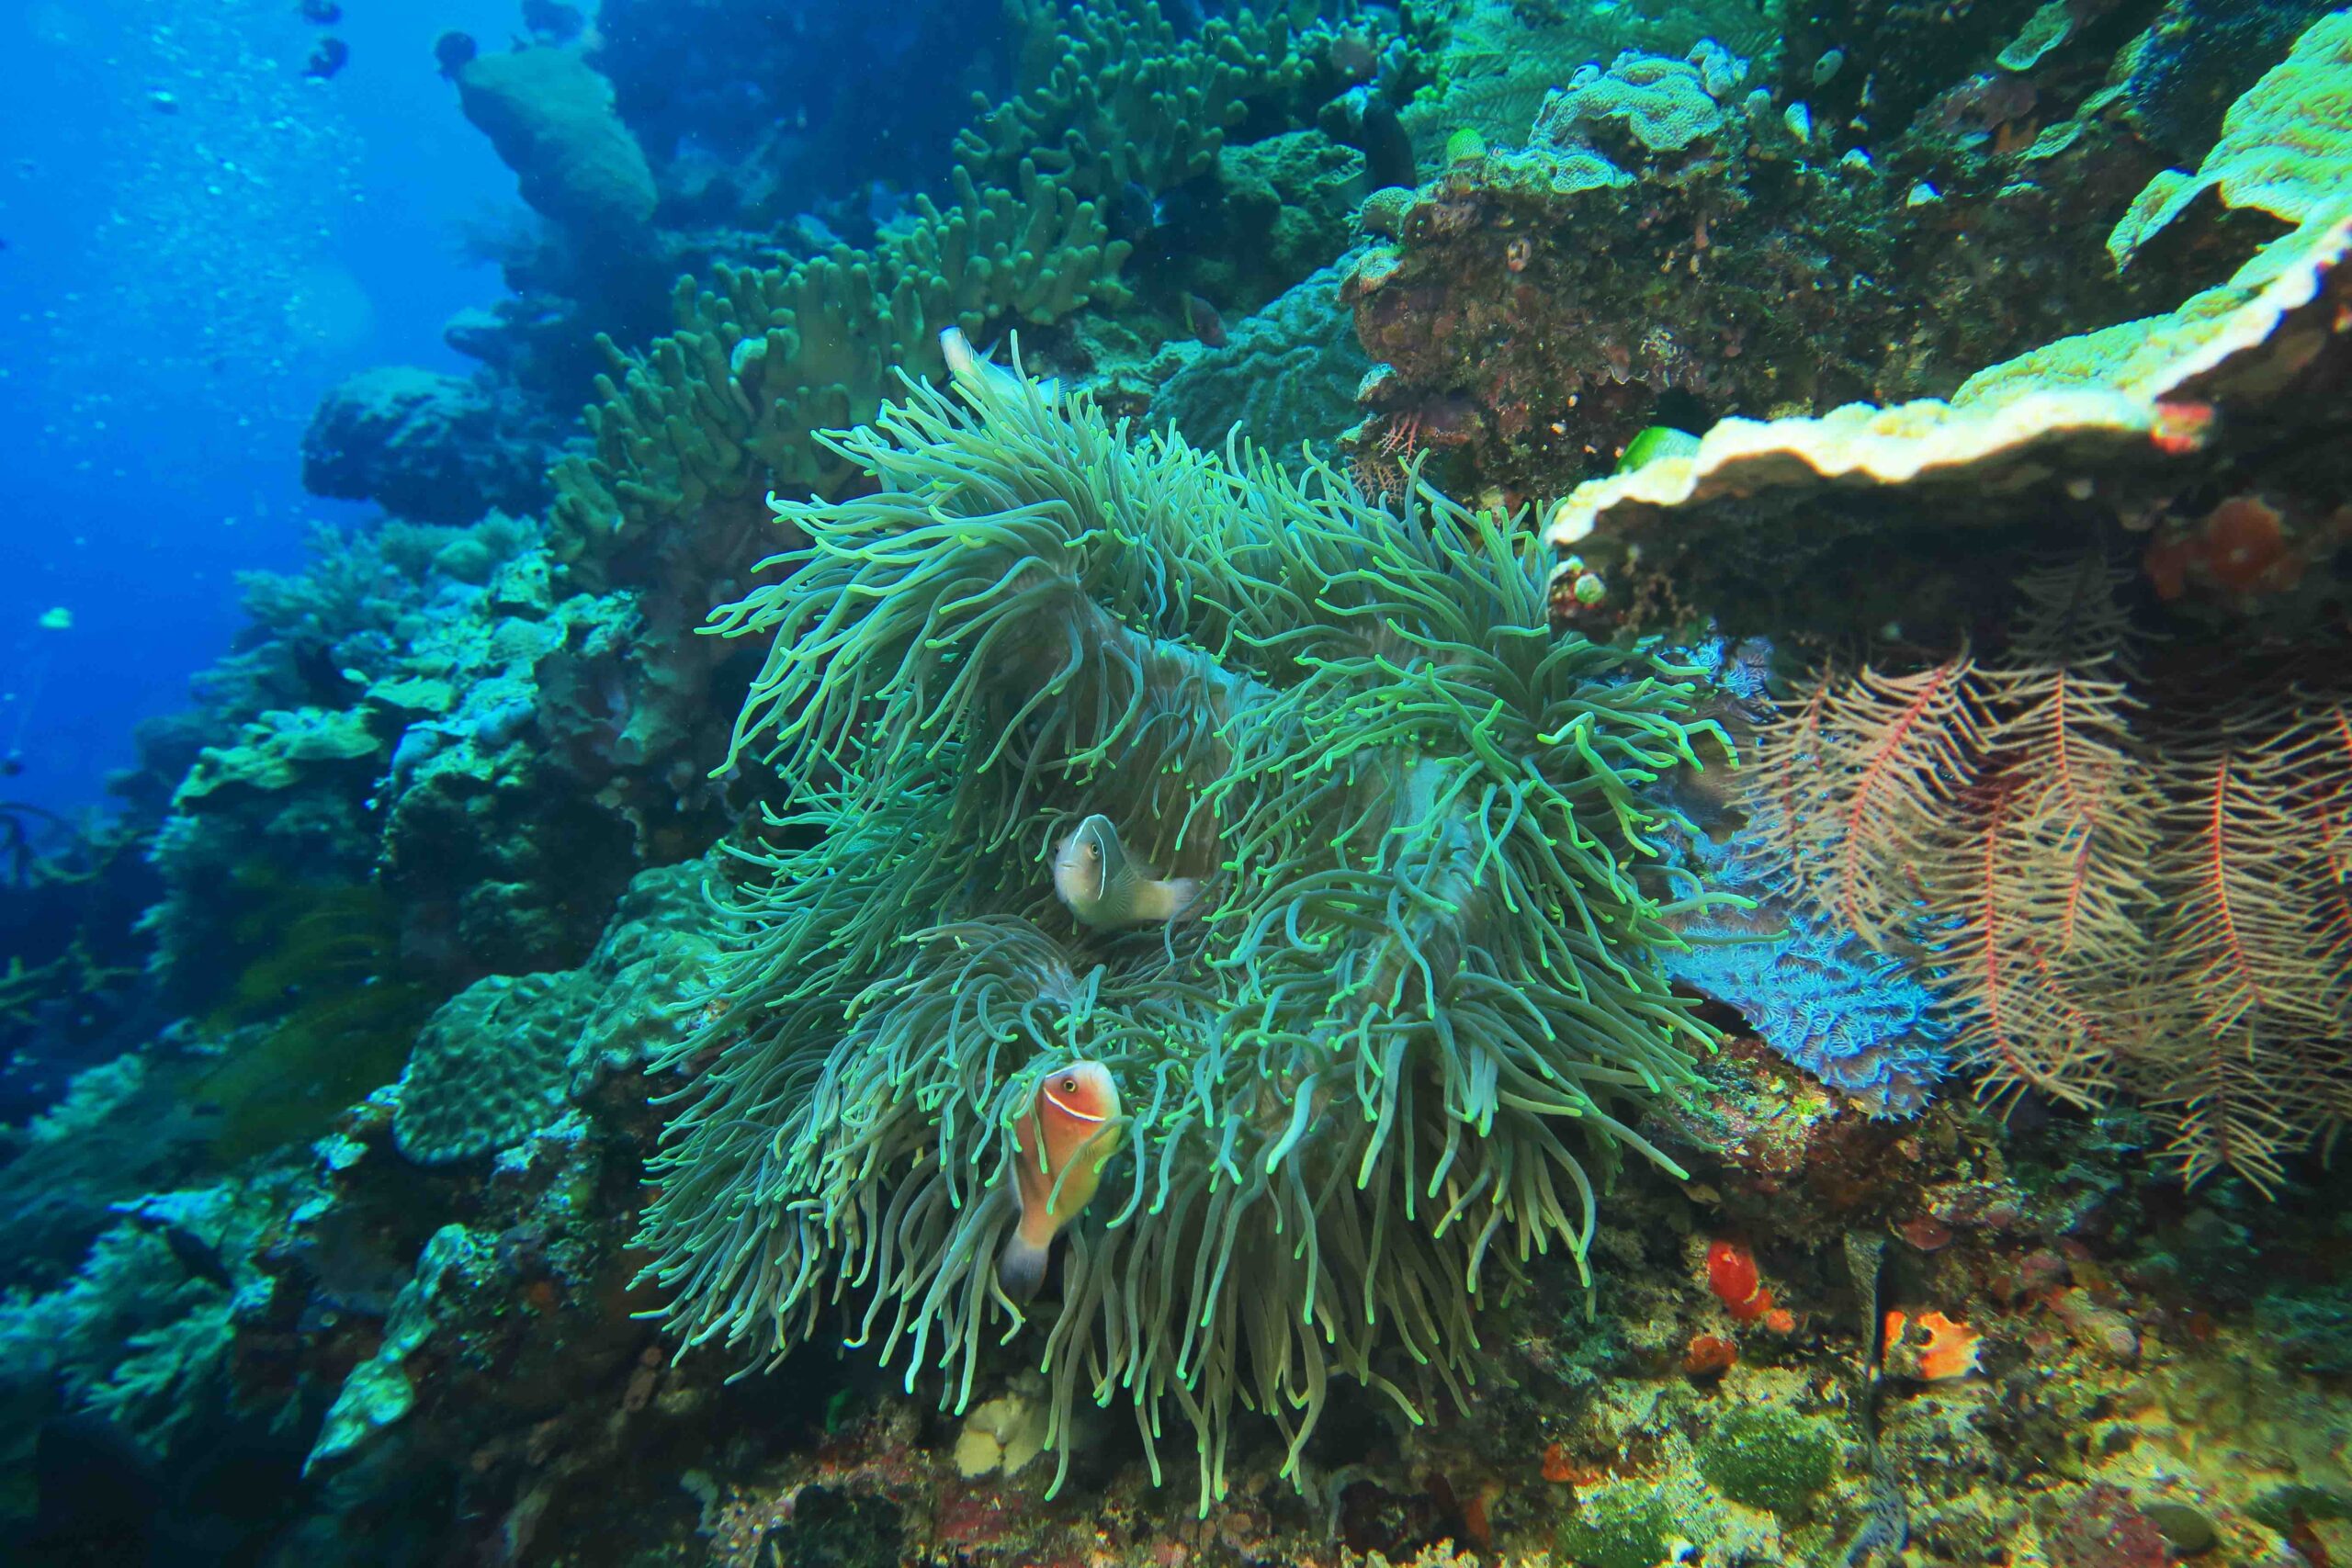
column 486, row 1069
column 1422, row 1001
column 504, row 1056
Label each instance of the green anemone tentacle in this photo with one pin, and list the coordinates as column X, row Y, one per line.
column 1411, row 1030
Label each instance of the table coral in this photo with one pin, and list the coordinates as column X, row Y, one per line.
column 2054, row 444
column 1424, row 960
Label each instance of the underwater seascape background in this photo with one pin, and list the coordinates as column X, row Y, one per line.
column 1529, row 781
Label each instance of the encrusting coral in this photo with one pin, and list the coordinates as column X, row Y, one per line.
column 1424, row 960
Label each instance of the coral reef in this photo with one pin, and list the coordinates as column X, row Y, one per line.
column 549, row 114
column 2077, row 444
column 1528, row 1144
column 1533, row 318
column 2191, row 65
column 723, row 410
column 426, row 447
column 2116, row 877
column 2283, row 149
column 502, row 1057
column 1286, row 377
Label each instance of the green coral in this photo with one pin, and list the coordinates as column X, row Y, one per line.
column 1424, row 1002
column 1130, row 101
column 382, row 1390
column 275, row 751
column 136, row 1337
column 504, row 1056
column 726, row 407
column 1769, row 1458
column 2181, row 76
column 1499, row 63
column 1296, row 195
column 487, row 1068
column 2286, row 147
column 1621, row 1525
column 1286, row 377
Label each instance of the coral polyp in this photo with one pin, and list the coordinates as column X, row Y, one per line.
column 1418, row 1012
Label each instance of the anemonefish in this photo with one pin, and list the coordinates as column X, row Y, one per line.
column 1075, row 1126
column 982, row 379
column 1103, row 886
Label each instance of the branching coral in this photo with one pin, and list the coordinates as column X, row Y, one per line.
column 1423, row 999
column 1129, row 100
column 726, row 407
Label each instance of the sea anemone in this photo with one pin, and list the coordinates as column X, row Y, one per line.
column 1422, row 999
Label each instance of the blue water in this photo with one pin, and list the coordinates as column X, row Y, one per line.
column 176, row 291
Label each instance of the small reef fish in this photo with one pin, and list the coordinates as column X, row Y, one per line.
column 1104, row 887
column 1203, row 322
column 1886, row 1518
column 1075, row 1122
column 976, row 374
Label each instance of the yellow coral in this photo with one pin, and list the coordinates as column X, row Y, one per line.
column 2286, row 146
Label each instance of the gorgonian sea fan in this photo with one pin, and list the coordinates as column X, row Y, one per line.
column 1422, row 999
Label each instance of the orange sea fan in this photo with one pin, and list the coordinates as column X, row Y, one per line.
column 2224, row 1094
column 1860, row 780
column 2097, row 911
column 2019, row 1017
column 2257, row 922
column 2087, row 802
column 2042, row 888
column 2254, row 965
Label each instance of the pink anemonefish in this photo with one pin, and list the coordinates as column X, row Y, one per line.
column 1104, row 887
column 1076, row 1122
